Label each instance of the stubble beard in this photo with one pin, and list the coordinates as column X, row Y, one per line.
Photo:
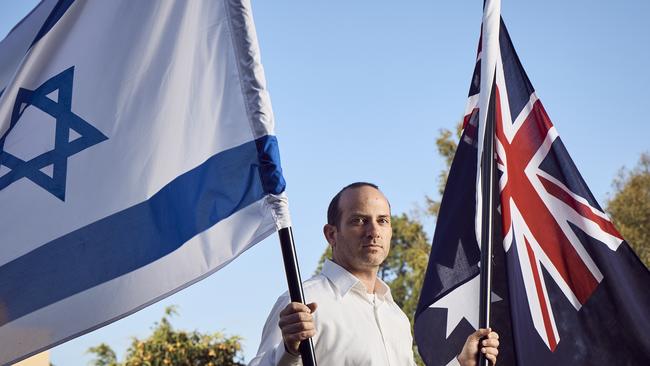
column 374, row 256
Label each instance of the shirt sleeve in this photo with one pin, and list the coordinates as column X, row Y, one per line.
column 271, row 351
column 454, row 362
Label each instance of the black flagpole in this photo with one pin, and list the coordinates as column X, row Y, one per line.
column 487, row 219
column 295, row 287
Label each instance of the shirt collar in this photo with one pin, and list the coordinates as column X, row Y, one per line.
column 345, row 281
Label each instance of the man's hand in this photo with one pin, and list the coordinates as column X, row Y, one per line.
column 297, row 324
column 489, row 347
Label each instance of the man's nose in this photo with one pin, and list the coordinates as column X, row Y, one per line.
column 372, row 229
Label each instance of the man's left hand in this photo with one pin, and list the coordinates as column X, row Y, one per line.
column 489, row 347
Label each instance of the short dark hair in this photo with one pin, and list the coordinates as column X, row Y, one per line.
column 333, row 211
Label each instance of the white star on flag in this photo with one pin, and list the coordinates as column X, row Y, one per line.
column 462, row 303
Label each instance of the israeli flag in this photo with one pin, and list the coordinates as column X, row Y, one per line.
column 137, row 156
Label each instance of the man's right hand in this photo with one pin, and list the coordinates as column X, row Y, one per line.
column 489, row 347
column 297, row 324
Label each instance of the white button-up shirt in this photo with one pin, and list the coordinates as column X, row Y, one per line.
column 352, row 328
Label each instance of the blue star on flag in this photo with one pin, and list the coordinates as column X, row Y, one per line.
column 66, row 120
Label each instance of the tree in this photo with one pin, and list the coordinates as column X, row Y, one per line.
column 167, row 346
column 446, row 146
column 630, row 207
column 406, row 264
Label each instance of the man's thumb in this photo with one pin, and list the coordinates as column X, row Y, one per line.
column 312, row 306
column 483, row 332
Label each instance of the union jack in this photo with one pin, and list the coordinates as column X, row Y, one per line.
column 541, row 195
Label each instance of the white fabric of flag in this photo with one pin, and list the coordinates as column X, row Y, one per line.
column 137, row 156
column 489, row 54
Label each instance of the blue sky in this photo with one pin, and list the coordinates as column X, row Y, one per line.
column 360, row 90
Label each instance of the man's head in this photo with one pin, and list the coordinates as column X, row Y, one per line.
column 359, row 228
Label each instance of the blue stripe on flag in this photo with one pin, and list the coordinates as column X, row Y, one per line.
column 141, row 234
column 268, row 155
column 57, row 13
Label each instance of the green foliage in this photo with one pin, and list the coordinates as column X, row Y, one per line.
column 630, row 207
column 404, row 268
column 406, row 264
column 446, row 145
column 167, row 346
column 105, row 356
column 326, row 255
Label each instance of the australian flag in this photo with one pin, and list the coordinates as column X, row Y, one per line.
column 567, row 289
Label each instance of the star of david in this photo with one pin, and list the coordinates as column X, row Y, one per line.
column 66, row 120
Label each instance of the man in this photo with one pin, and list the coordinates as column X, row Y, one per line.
column 357, row 322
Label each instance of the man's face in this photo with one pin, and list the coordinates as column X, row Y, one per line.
column 362, row 239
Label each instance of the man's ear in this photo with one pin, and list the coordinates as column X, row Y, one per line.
column 330, row 232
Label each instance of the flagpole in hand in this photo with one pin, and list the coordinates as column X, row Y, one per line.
column 487, row 108
column 487, row 227
column 295, row 287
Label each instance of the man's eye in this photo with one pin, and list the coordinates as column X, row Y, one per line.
column 357, row 220
column 384, row 220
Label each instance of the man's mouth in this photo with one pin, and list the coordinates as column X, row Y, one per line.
column 372, row 246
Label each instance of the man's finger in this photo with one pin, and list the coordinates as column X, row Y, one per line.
column 492, row 358
column 297, row 328
column 490, row 342
column 480, row 333
column 300, row 336
column 493, row 335
column 295, row 307
column 490, row 351
column 295, row 318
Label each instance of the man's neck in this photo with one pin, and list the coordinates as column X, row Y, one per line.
column 367, row 276
column 368, row 280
